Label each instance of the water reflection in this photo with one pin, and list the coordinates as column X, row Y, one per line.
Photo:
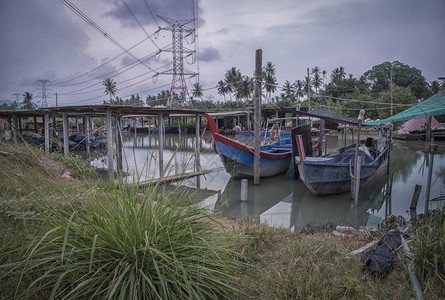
column 288, row 203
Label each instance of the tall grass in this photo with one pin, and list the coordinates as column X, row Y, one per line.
column 138, row 244
column 428, row 249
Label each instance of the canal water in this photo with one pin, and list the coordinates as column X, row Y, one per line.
column 284, row 202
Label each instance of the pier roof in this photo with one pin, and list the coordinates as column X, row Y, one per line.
column 100, row 110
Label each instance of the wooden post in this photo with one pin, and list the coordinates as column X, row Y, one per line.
column 358, row 167
column 413, row 206
column 66, row 143
column 161, row 143
column 35, row 123
column 87, row 133
column 428, row 184
column 257, row 121
column 428, row 130
column 46, row 130
column 357, row 162
column 197, row 144
column 321, row 135
column 110, row 145
column 119, row 161
column 14, row 128
column 389, row 144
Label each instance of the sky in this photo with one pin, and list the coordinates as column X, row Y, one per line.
column 46, row 40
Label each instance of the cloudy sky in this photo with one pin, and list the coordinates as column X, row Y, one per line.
column 46, row 40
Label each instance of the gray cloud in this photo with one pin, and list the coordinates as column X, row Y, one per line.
column 144, row 11
column 209, row 54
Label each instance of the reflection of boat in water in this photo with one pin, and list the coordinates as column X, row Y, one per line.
column 259, row 198
column 290, row 204
column 238, row 158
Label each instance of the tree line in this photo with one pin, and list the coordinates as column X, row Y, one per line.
column 338, row 91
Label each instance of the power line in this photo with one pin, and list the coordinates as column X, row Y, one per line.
column 139, row 23
column 94, row 69
column 90, row 22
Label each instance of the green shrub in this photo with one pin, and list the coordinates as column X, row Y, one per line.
column 77, row 165
column 133, row 247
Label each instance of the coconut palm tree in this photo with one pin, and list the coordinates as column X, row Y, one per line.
column 245, row 89
column 27, row 101
column 110, row 87
column 270, row 80
column 323, row 73
column 223, row 89
column 299, row 85
column 288, row 90
column 338, row 74
column 233, row 79
column 197, row 90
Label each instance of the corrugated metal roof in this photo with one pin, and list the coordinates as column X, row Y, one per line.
column 420, row 125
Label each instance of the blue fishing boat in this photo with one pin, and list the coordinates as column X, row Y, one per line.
column 238, row 158
column 332, row 175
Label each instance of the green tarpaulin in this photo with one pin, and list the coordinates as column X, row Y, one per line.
column 432, row 106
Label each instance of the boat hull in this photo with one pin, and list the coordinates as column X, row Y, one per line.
column 240, row 163
column 323, row 178
column 238, row 158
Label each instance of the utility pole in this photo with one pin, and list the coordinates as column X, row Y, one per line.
column 309, row 90
column 390, row 76
column 16, row 96
column 42, row 90
column 178, row 90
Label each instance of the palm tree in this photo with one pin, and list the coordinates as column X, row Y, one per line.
column 324, row 76
column 27, row 101
column 317, row 81
column 110, row 87
column 245, row 89
column 288, row 91
column 299, row 85
column 270, row 80
column 197, row 90
column 338, row 74
column 233, row 79
column 223, row 89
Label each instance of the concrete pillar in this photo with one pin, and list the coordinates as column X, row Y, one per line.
column 46, row 130
column 110, row 144
column 66, row 144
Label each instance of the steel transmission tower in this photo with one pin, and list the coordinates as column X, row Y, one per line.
column 42, row 90
column 178, row 91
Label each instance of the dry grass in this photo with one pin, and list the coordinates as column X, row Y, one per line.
column 287, row 265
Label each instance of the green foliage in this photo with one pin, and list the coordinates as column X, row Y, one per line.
column 403, row 75
column 150, row 246
column 78, row 166
column 428, row 247
column 403, row 98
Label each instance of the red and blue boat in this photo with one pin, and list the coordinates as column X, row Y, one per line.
column 238, row 158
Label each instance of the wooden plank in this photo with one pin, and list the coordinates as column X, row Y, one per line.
column 173, row 177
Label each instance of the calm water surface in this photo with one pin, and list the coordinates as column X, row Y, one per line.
column 288, row 203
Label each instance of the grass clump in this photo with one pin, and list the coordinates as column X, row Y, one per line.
column 428, row 249
column 132, row 247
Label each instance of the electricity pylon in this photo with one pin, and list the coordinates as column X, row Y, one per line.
column 42, row 90
column 178, row 90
